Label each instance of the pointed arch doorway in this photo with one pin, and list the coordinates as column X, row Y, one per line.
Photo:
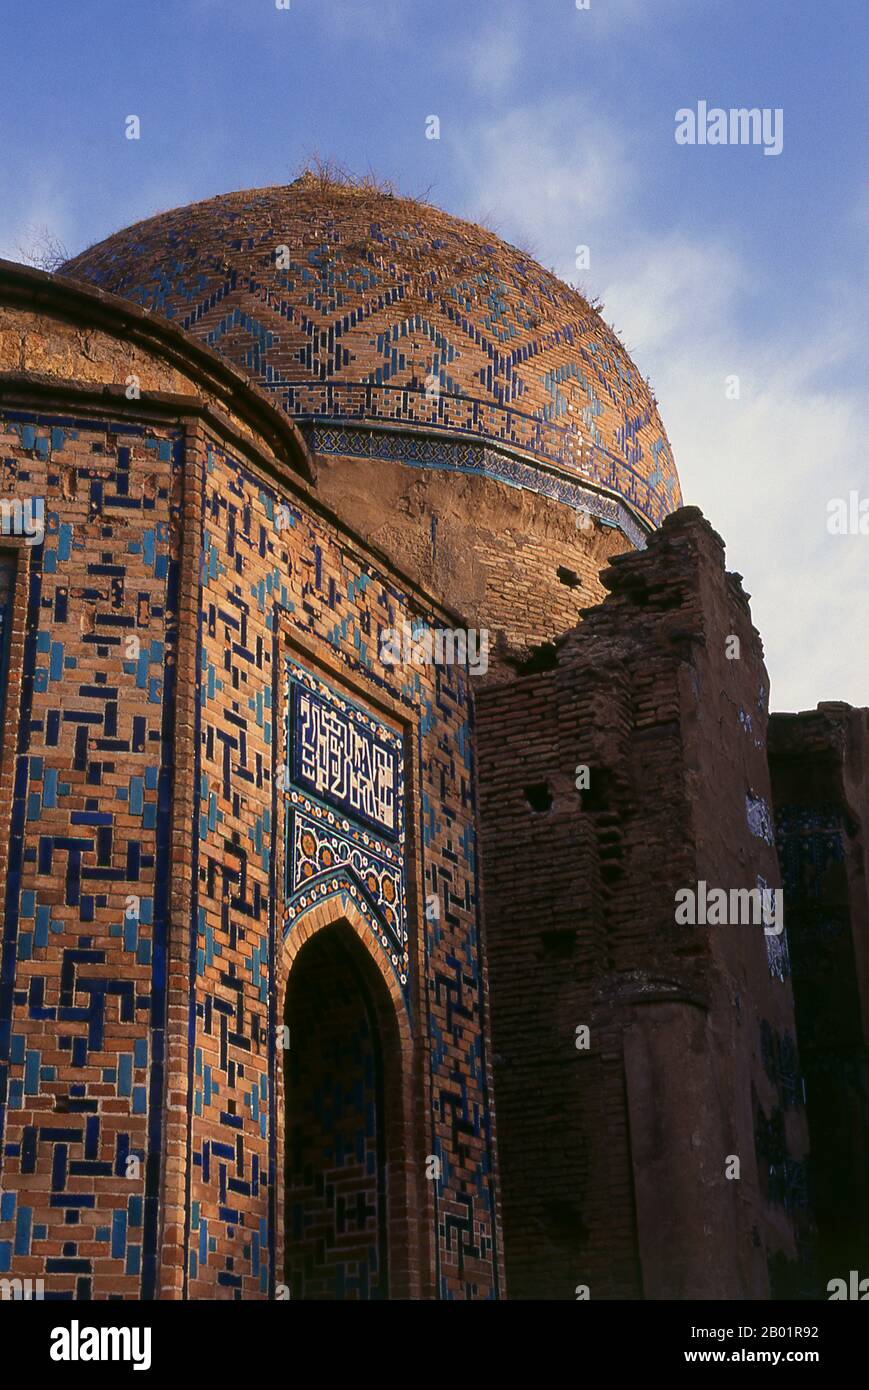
column 349, row 1227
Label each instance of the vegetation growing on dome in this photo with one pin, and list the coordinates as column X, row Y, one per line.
column 328, row 176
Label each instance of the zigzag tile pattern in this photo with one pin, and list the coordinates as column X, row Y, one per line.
column 352, row 305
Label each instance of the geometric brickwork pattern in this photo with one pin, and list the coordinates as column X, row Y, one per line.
column 82, row 992
column 7, row 596
column 351, row 305
column 259, row 580
column 84, row 964
column 809, row 839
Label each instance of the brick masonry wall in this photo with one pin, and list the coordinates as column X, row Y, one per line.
column 86, row 882
column 818, row 762
column 614, row 1156
column 189, row 558
column 302, row 580
column 513, row 562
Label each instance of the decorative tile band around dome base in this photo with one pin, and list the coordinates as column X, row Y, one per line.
column 461, row 456
column 650, row 487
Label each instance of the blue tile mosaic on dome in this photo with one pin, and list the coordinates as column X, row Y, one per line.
column 323, row 302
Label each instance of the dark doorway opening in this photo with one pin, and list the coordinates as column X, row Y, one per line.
column 335, row 1211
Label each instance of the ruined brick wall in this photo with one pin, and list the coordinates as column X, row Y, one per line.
column 563, row 1145
column 614, row 1155
column 512, row 561
column 518, row 561
column 149, row 926
column 818, row 763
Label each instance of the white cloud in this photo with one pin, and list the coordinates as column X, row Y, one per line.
column 668, row 288
column 550, row 173
column 763, row 467
column 605, row 18
column 491, row 56
column 42, row 208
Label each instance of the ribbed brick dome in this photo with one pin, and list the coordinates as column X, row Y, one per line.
column 351, row 304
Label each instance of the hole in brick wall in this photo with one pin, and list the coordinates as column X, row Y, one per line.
column 568, row 577
column 557, row 945
column 662, row 597
column 599, row 795
column 538, row 796
column 659, row 597
column 542, row 658
column 564, row 1223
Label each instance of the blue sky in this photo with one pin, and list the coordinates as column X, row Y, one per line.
column 557, row 129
